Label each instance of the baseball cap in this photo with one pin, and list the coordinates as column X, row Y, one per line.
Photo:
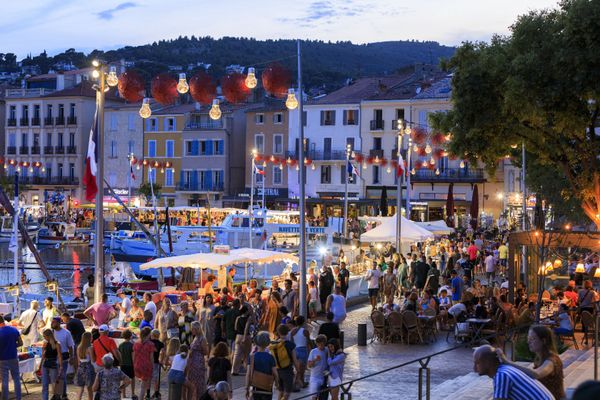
column 103, row 328
column 120, row 291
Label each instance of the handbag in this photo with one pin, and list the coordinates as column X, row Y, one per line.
column 98, row 392
column 260, row 380
column 26, row 330
column 115, row 360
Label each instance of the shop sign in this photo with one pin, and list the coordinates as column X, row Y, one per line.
column 313, row 230
column 270, row 192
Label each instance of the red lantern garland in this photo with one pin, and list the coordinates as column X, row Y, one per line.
column 419, row 135
column 276, row 80
column 234, row 88
column 203, row 88
column 421, row 152
column 164, row 89
column 438, row 153
column 359, row 158
column 131, row 86
column 438, row 138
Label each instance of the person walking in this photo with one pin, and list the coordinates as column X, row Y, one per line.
column 10, row 339
column 143, row 358
column 110, row 381
column 336, row 303
column 373, row 276
column 243, row 341
column 126, row 364
column 50, row 365
column 344, row 278
column 67, row 345
column 167, row 321
column 85, row 375
column 335, row 362
column 325, row 284
column 196, row 367
column 262, row 371
column 104, row 345
column 29, row 320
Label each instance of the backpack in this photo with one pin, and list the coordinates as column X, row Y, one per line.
column 281, row 354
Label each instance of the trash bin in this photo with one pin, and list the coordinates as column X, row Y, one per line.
column 342, row 339
column 362, row 335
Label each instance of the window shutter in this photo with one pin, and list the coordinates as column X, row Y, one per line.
column 304, row 117
column 221, row 147
column 322, row 117
column 181, row 178
column 194, row 180
column 345, row 117
column 209, row 147
column 333, row 117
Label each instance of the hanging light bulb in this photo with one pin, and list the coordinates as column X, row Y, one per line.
column 513, row 146
column 413, row 171
column 291, row 102
column 462, row 163
column 408, row 131
column 162, row 170
column 437, row 171
column 145, row 111
column 272, row 158
column 182, row 86
column 416, row 147
column 215, row 110
column 364, row 165
column 389, row 170
column 297, row 168
column 138, row 167
column 428, row 149
column 112, row 79
column 376, row 160
column 95, row 74
column 43, row 169
column 432, row 161
column 313, row 167
column 352, row 155
column 580, row 269
column 264, row 164
column 424, row 164
column 251, row 78
column 31, row 169
column 5, row 166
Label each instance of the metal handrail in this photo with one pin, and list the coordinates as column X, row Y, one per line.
column 423, row 361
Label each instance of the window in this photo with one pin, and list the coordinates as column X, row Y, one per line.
column 12, row 139
column 151, row 148
column 345, row 173
column 350, row 117
column 113, row 149
column 192, row 147
column 218, row 176
column 278, row 144
column 48, row 171
column 152, row 175
column 59, row 136
column 12, row 112
column 325, row 173
column 24, row 139
column 72, row 110
column 36, row 140
column 61, row 111
column 169, row 124
column 170, row 148
column 278, row 118
column 72, row 171
column 130, row 146
column 376, row 174
column 327, row 148
column 72, row 139
column 112, row 179
column 328, row 117
column 49, row 139
column 169, row 177
column 259, row 119
column 376, row 143
column 49, row 111
column 399, row 113
column 259, row 143
column 378, row 115
column 423, row 120
column 131, row 122
column 113, row 122
column 219, row 147
column 152, row 125
column 36, row 111
column 25, row 112
column 59, row 170
column 276, row 175
column 350, row 141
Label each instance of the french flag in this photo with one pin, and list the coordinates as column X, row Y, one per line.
column 258, row 170
column 352, row 170
column 91, row 163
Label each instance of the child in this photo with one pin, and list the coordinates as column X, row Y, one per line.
column 284, row 353
column 176, row 377
column 313, row 300
column 159, row 352
column 285, row 318
column 147, row 321
column 317, row 362
column 126, row 350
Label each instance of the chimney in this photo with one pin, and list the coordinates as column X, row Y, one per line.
column 60, row 81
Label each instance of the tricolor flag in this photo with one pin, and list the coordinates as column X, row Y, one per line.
column 401, row 167
column 91, row 162
column 258, row 170
column 352, row 170
column 131, row 171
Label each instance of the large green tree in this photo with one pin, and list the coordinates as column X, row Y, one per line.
column 539, row 86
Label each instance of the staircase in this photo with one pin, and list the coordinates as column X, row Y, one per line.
column 578, row 366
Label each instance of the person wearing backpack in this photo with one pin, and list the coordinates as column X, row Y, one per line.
column 284, row 352
column 262, row 371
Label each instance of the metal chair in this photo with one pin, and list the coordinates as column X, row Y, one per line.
column 588, row 323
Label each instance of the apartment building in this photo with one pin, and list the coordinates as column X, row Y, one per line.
column 48, row 129
column 163, row 143
column 267, row 133
column 123, row 140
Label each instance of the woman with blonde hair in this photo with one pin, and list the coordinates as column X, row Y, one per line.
column 167, row 321
column 195, row 370
column 84, row 378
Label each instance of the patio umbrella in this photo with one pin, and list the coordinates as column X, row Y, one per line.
column 383, row 206
column 474, row 207
column 450, row 205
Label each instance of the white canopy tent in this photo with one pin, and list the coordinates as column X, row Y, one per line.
column 386, row 232
column 436, row 227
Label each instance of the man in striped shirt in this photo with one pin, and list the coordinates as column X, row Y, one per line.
column 509, row 382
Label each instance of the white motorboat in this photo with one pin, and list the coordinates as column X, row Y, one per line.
column 55, row 232
column 6, row 230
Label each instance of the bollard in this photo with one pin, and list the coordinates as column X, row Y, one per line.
column 362, row 335
column 341, row 339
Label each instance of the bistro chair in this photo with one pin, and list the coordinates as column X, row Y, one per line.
column 411, row 324
column 588, row 324
column 395, row 326
column 379, row 331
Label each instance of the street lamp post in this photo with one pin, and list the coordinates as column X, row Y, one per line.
column 524, row 209
column 251, row 206
column 347, row 173
column 130, row 158
column 399, row 188
column 302, row 203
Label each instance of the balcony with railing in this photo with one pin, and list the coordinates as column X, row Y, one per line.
column 59, row 120
column 24, row 122
column 377, row 124
column 36, row 121
column 72, row 120
column 376, row 153
column 59, row 150
column 218, row 124
column 11, row 150
column 319, row 155
column 11, row 122
column 48, row 150
column 24, row 150
column 71, row 149
column 46, row 180
column 471, row 175
column 200, row 187
column 35, row 149
column 17, row 93
column 48, row 121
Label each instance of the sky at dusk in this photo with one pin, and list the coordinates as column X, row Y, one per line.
column 56, row 25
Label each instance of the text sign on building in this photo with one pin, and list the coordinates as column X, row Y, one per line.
column 314, row 230
column 270, row 192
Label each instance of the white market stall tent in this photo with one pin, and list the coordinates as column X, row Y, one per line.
column 436, row 227
column 386, row 232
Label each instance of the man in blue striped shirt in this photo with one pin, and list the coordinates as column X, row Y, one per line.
column 509, row 382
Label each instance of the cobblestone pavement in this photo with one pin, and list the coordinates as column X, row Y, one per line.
column 396, row 384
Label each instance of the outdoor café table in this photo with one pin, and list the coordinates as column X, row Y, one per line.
column 477, row 325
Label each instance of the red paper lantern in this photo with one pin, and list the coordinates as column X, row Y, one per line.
column 394, row 163
column 438, row 138
column 164, row 89
column 203, row 88
column 370, row 160
column 234, row 88
column 276, row 80
column 131, row 86
column 438, row 153
column 359, row 158
column 419, row 135
column 422, row 152
column 307, row 161
column 383, row 162
column 258, row 158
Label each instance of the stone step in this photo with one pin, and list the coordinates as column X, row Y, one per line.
column 480, row 388
column 584, row 371
column 572, row 369
column 569, row 356
column 443, row 390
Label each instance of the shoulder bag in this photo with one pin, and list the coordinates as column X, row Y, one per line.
column 260, row 380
